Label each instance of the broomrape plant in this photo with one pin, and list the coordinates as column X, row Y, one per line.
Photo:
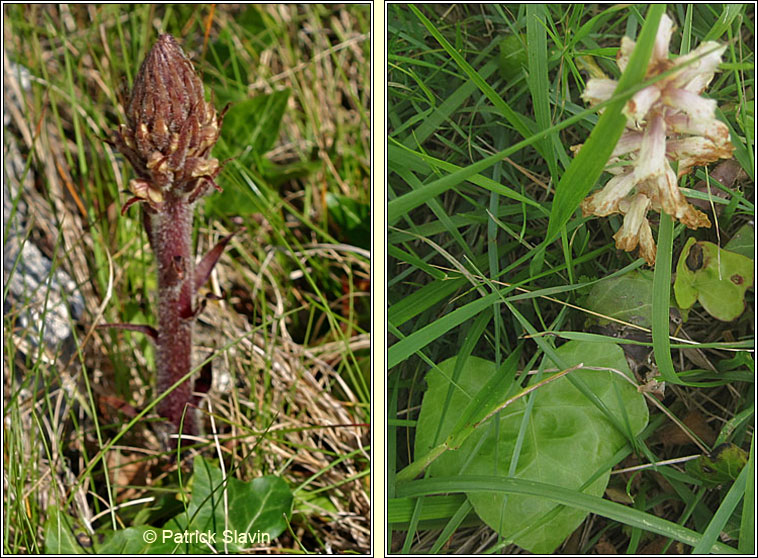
column 667, row 122
column 168, row 136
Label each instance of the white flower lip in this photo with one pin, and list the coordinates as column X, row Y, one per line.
column 695, row 77
column 652, row 158
column 599, row 90
column 702, row 110
column 668, row 122
column 605, row 202
column 639, row 105
column 662, row 39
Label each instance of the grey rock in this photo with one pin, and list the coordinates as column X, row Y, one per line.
column 45, row 301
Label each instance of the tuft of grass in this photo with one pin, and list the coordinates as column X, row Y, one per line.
column 483, row 105
column 286, row 325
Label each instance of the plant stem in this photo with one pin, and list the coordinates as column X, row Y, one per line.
column 170, row 235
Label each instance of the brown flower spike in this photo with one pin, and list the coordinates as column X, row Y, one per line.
column 170, row 129
column 168, row 137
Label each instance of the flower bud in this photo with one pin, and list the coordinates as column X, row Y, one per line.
column 170, row 129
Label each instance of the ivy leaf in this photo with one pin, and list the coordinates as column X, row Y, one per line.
column 568, row 440
column 252, row 515
column 136, row 540
column 255, row 509
column 720, row 289
column 59, row 535
column 628, row 297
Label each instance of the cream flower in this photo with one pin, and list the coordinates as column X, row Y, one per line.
column 636, row 229
column 635, row 212
column 667, row 122
column 606, row 201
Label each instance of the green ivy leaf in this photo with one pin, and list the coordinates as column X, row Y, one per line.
column 135, row 540
column 255, row 512
column 720, row 289
column 255, row 508
column 568, row 439
column 59, row 534
column 628, row 297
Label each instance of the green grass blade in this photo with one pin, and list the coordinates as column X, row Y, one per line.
column 729, row 13
column 402, row 156
column 455, row 521
column 722, row 515
column 400, row 206
column 537, row 78
column 399, row 510
column 747, row 525
column 441, row 113
column 427, row 296
column 662, row 299
column 405, row 347
column 592, row 504
column 519, row 122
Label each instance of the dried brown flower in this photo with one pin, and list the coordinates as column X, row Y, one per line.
column 667, row 122
column 170, row 129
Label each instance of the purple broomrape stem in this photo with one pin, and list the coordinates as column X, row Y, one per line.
column 168, row 137
column 171, row 238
